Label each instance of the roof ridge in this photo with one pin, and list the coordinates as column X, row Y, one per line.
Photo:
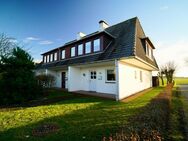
column 121, row 22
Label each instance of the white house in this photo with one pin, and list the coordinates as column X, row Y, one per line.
column 115, row 61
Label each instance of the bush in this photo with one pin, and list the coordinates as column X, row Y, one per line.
column 150, row 124
column 46, row 81
column 17, row 83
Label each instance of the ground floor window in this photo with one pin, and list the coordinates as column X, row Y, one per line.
column 110, row 75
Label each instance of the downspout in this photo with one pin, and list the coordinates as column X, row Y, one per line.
column 46, row 72
column 117, row 78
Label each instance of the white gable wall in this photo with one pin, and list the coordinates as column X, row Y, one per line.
column 74, row 82
column 129, row 83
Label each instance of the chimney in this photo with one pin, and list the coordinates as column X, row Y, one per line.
column 102, row 25
column 80, row 35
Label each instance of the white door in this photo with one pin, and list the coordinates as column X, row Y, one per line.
column 92, row 81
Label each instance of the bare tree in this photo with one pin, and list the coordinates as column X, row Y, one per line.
column 169, row 70
column 161, row 75
column 6, row 45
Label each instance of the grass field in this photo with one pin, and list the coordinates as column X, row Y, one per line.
column 79, row 118
column 178, row 81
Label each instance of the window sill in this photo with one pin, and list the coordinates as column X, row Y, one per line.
column 110, row 82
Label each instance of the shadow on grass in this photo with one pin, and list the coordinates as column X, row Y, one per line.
column 91, row 122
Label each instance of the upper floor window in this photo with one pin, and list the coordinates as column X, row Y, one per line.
column 72, row 51
column 88, row 47
column 96, row 46
column 149, row 51
column 51, row 57
column 48, row 58
column 55, row 56
column 44, row 59
column 63, row 54
column 80, row 49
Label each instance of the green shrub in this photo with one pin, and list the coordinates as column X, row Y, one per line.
column 46, row 81
column 17, row 83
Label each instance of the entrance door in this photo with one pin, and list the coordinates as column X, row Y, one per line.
column 93, row 77
column 63, row 79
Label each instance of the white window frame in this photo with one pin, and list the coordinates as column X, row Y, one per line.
column 51, row 57
column 73, row 51
column 62, row 54
column 88, row 43
column 106, row 73
column 55, row 56
column 80, row 49
column 94, row 46
column 149, row 51
column 44, row 59
column 48, row 58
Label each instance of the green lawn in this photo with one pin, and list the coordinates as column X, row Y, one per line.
column 79, row 118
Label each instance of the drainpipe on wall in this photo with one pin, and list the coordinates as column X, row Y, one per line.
column 46, row 72
column 117, row 78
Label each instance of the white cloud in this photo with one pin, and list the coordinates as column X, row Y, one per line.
column 164, row 8
column 32, row 38
column 45, row 42
column 174, row 51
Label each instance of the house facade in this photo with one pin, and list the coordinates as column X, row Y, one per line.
column 115, row 61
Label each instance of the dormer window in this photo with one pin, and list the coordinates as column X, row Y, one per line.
column 63, row 54
column 72, row 51
column 96, row 46
column 48, row 58
column 88, row 47
column 149, row 51
column 80, row 49
column 44, row 59
column 55, row 56
column 51, row 57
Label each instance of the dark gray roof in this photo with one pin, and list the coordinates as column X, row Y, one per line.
column 127, row 42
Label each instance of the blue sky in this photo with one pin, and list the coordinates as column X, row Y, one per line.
column 42, row 25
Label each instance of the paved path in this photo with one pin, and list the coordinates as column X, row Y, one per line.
column 184, row 92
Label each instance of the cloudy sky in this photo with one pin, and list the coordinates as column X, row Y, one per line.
column 41, row 25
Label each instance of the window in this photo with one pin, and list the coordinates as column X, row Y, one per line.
column 96, row 46
column 72, row 51
column 51, row 57
column 63, row 54
column 48, row 58
column 80, row 49
column 44, row 59
column 135, row 74
column 140, row 76
column 149, row 51
column 110, row 75
column 93, row 74
column 88, row 47
column 55, row 56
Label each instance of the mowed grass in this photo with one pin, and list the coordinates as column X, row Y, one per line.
column 79, row 118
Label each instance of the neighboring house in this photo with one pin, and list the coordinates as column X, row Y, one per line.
column 114, row 61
